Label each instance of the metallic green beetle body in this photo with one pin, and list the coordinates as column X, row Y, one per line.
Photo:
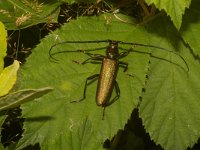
column 108, row 74
column 107, row 80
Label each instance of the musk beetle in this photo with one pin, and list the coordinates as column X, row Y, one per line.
column 109, row 67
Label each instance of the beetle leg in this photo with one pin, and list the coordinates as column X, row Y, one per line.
column 86, row 83
column 90, row 54
column 94, row 55
column 123, row 65
column 89, row 60
column 123, row 54
column 94, row 58
column 117, row 90
column 103, row 113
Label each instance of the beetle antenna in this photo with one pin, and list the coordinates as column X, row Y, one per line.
column 157, row 47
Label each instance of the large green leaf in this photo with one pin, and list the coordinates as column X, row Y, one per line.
column 174, row 8
column 80, row 125
column 17, row 14
column 170, row 104
column 55, row 122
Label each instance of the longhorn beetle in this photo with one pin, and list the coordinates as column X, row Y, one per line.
column 109, row 68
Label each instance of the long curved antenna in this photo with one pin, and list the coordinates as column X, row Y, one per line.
column 68, row 42
column 108, row 40
column 157, row 47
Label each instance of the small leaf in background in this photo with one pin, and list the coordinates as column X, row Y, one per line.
column 19, row 97
column 174, row 8
column 17, row 14
column 8, row 78
column 3, row 45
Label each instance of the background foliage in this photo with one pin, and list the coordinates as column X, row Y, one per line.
column 157, row 86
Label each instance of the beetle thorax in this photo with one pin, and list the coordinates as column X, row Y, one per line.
column 112, row 50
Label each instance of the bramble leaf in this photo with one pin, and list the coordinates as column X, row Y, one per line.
column 174, row 8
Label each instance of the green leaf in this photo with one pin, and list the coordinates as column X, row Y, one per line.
column 80, row 125
column 3, row 45
column 8, row 78
column 174, row 8
column 18, row 14
column 191, row 27
column 170, row 105
column 17, row 98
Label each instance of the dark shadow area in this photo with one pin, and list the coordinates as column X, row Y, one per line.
column 196, row 146
column 33, row 147
column 196, row 56
column 133, row 137
column 39, row 119
column 190, row 16
column 12, row 127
